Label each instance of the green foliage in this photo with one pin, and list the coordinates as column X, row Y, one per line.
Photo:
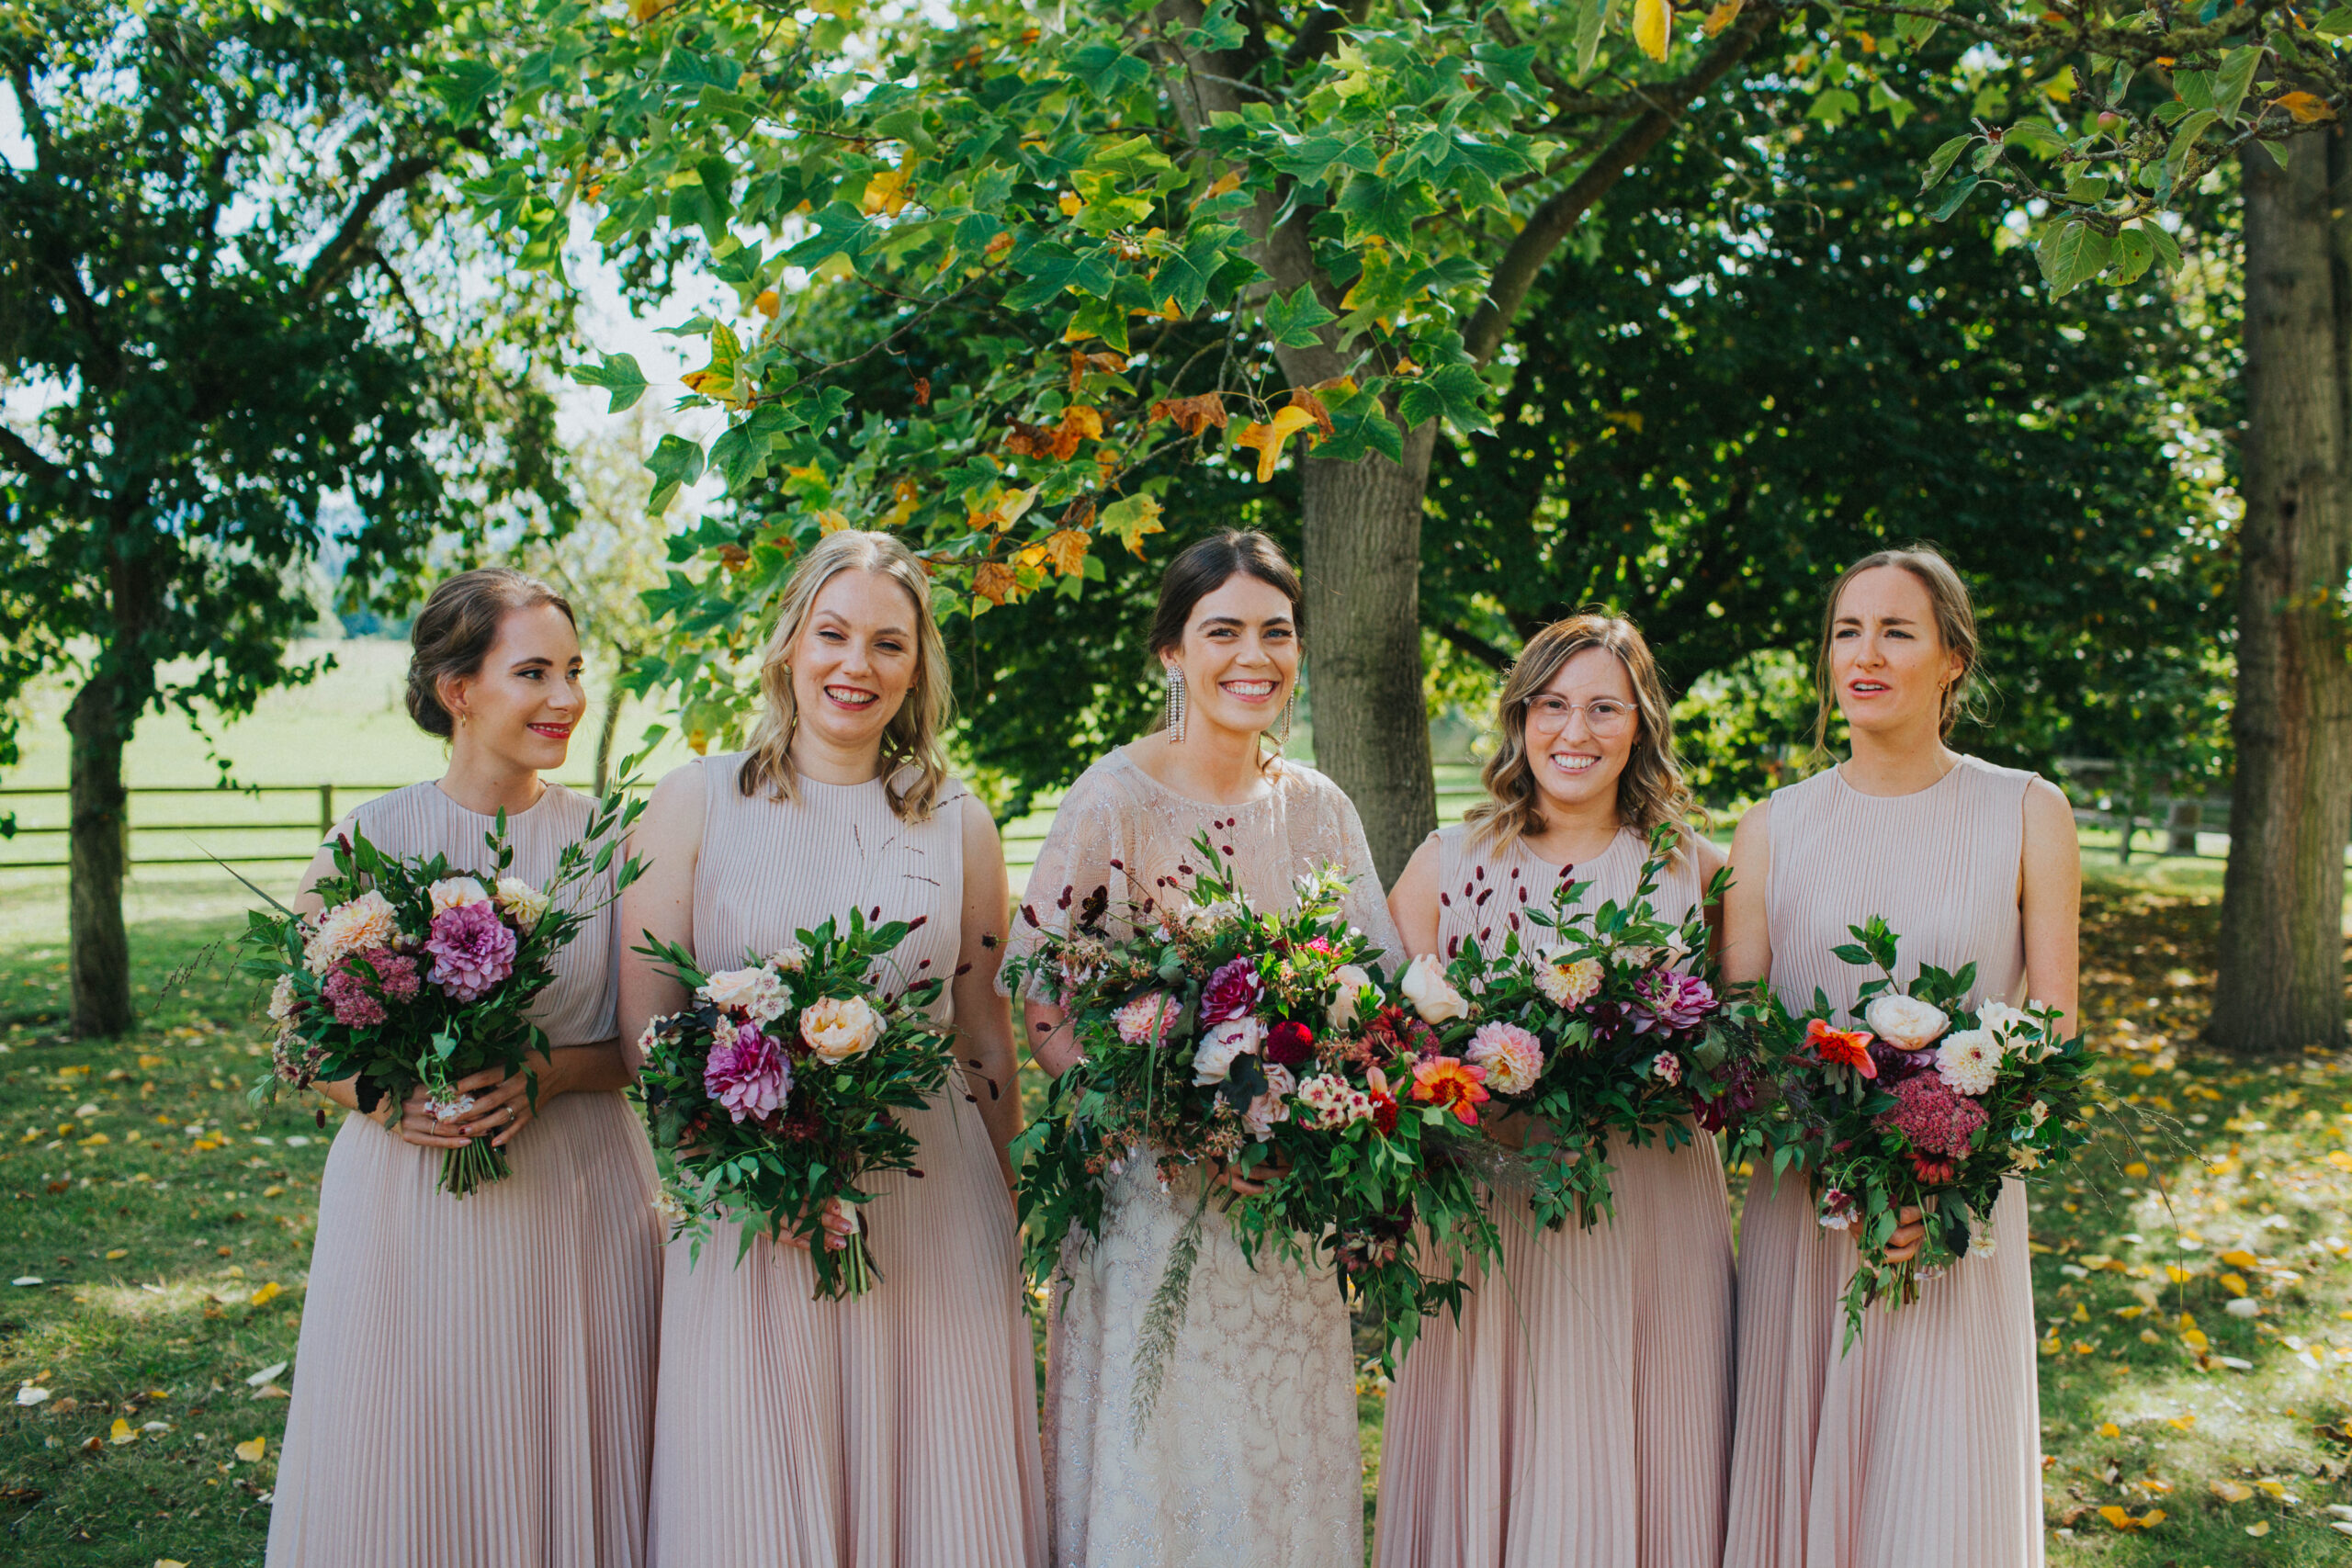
column 225, row 273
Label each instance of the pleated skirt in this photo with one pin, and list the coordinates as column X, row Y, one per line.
column 1919, row 1448
column 895, row 1430
column 1579, row 1413
column 474, row 1382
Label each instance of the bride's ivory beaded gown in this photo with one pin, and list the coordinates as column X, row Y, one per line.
column 1250, row 1456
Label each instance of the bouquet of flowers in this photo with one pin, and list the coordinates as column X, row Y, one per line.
column 1220, row 1035
column 419, row 973
column 1589, row 1019
column 774, row 1093
column 1930, row 1104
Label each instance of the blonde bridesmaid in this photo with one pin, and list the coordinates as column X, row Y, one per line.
column 899, row 1430
column 1920, row 1447
column 1579, row 1413
column 475, row 1379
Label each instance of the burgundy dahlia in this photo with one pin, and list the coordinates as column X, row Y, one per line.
column 1896, row 1064
column 1670, row 1002
column 1232, row 991
column 1287, row 1045
column 472, row 949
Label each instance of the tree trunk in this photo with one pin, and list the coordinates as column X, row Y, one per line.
column 1363, row 524
column 2281, row 985
column 101, row 952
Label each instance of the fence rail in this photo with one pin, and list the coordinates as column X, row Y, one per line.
column 326, row 794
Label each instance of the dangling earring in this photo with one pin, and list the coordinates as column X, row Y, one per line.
column 1174, row 713
column 1290, row 716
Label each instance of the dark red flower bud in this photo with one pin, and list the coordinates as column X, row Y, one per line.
column 1289, row 1043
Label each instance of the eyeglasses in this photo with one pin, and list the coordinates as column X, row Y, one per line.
column 1605, row 717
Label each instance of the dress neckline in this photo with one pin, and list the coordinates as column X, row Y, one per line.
column 1274, row 779
column 1518, row 848
column 546, row 789
column 1838, row 773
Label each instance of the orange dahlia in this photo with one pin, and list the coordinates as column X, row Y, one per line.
column 1451, row 1083
column 1841, row 1047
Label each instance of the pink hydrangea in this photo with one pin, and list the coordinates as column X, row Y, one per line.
column 356, row 1000
column 1937, row 1121
column 748, row 1075
column 472, row 949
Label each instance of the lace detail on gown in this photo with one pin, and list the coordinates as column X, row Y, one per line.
column 1250, row 1456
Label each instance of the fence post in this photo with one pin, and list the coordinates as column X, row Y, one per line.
column 2181, row 823
column 326, row 811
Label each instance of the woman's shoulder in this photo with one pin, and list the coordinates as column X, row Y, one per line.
column 1302, row 782
column 2004, row 782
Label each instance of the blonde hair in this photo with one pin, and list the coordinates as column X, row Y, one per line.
column 912, row 740
column 1651, row 789
column 1955, row 615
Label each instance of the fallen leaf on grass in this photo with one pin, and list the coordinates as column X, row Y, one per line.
column 265, row 1374
column 28, row 1394
column 2124, row 1522
column 121, row 1432
column 268, row 1294
column 2232, row 1491
column 251, row 1452
column 2259, row 1527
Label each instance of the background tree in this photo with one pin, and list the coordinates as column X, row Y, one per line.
column 210, row 290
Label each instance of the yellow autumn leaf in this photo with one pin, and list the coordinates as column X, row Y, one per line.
column 1267, row 438
column 2184, row 1422
column 121, row 1432
column 2306, row 108
column 831, row 520
column 2234, row 1283
column 994, row 581
column 1725, row 12
column 1653, row 27
column 2259, row 1527
column 1228, row 181
column 2232, row 1491
column 251, row 1452
column 1073, row 203
column 2135, row 1170
column 115, row 1254
column 2239, row 1257
column 1086, row 422
column 768, row 303
column 902, row 505
column 886, row 193
column 268, row 1294
column 2109, row 1430
column 646, row 10
column 1064, row 551
column 2059, row 88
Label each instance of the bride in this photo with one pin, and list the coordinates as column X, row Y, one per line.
column 1249, row 1456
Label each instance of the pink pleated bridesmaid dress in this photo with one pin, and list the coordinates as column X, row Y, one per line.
column 474, row 1382
column 1579, row 1414
column 1919, row 1448
column 899, row 1430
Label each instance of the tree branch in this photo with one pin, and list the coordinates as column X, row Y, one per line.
column 1320, row 32
column 339, row 255
column 21, row 454
column 36, row 123
column 1477, row 648
column 1551, row 222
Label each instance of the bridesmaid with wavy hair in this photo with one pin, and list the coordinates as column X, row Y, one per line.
column 898, row 1430
column 475, row 1378
column 1580, row 1412
column 1921, row 1446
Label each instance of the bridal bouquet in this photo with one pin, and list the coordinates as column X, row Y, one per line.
column 774, row 1091
column 1219, row 1035
column 1930, row 1104
column 420, row 973
column 1588, row 1019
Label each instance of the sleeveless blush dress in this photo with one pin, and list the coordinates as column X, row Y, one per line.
column 1920, row 1448
column 898, row 1430
column 475, row 1379
column 1579, row 1414
column 1250, row 1458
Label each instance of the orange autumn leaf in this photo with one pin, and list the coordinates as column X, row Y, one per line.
column 886, row 193
column 831, row 520
column 1228, row 181
column 994, row 581
column 1724, row 14
column 768, row 303
column 1193, row 415
column 734, row 558
column 998, row 246
column 1066, row 552
column 2307, row 108
column 1304, row 397
column 902, row 505
column 1080, row 362
column 1267, row 438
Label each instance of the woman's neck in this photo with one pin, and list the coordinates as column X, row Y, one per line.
column 1574, row 834
column 827, row 762
column 1902, row 762
column 487, row 784
column 1221, row 766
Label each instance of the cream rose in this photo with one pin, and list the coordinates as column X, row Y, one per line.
column 789, row 959
column 456, row 892
column 1906, row 1023
column 1433, row 995
column 1236, row 1037
column 521, row 902
column 755, row 991
column 839, row 1029
column 1351, row 982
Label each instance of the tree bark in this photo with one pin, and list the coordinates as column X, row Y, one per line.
column 2281, row 983
column 99, row 852
column 1363, row 525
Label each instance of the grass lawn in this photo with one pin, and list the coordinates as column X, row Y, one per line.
column 165, row 1227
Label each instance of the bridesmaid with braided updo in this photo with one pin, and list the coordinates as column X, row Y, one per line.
column 1579, row 1411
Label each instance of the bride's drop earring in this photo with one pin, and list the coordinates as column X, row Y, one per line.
column 1175, row 710
column 1290, row 715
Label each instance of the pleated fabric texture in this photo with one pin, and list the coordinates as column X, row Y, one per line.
column 474, row 1382
column 899, row 1430
column 1579, row 1413
column 1250, row 1456
column 1922, row 1447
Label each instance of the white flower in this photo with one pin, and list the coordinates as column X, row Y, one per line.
column 1213, row 1060
column 281, row 1001
column 839, row 1029
column 1565, row 982
column 1332, row 1102
column 789, row 959
column 1432, row 997
column 1969, row 1061
column 1200, row 917
column 1270, row 1106
column 1512, row 1058
column 521, row 902
column 1906, row 1023
column 755, row 992
column 367, row 922
column 1352, row 980
column 1981, row 1244
column 2040, row 1111
column 2006, row 1024
column 2025, row 1156
column 456, row 892
column 666, row 1205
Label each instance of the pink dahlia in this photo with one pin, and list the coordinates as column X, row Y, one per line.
column 749, row 1077
column 1936, row 1119
column 472, row 949
column 1152, row 1016
column 1232, row 991
column 1512, row 1058
column 1667, row 1002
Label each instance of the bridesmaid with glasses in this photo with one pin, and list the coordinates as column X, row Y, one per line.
column 1579, row 1411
